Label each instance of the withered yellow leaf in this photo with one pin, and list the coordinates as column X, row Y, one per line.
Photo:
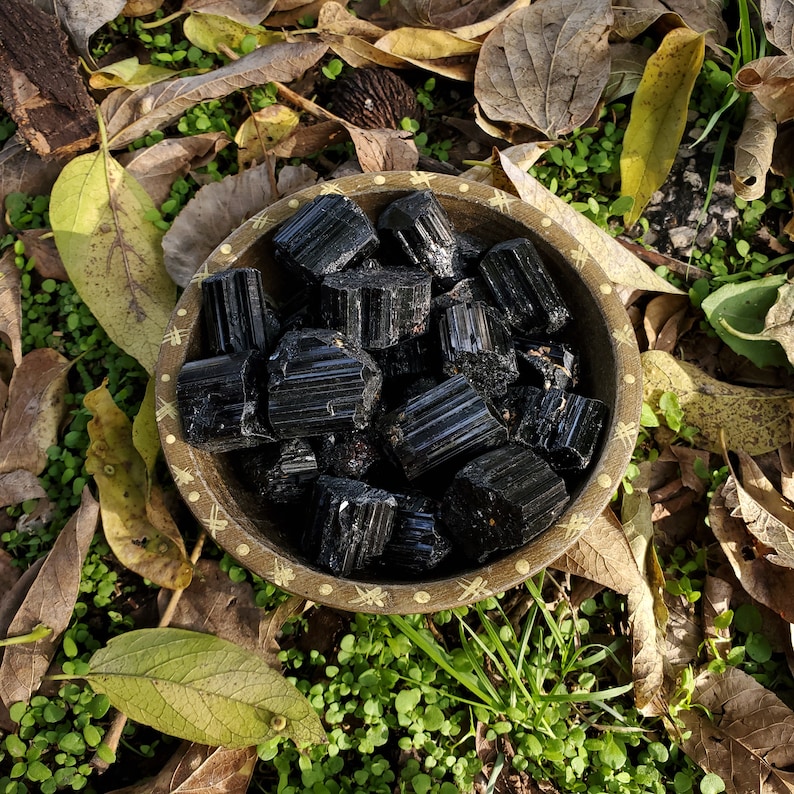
column 262, row 130
column 129, row 73
column 658, row 116
column 113, row 253
column 211, row 32
column 145, row 437
column 139, row 531
column 755, row 420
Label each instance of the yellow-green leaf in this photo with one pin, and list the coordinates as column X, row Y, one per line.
column 658, row 116
column 139, row 530
column 201, row 688
column 262, row 130
column 755, row 420
column 129, row 73
column 209, row 32
column 112, row 253
column 145, row 437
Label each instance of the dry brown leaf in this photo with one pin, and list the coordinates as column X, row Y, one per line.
column 633, row 17
column 11, row 304
column 686, row 457
column 286, row 13
column 627, row 63
column 157, row 167
column 786, row 453
column 432, row 50
column 444, row 13
column 703, row 16
column 749, row 742
column 771, row 80
column 755, row 420
column 19, row 486
column 360, row 53
column 198, row 769
column 769, row 584
column 621, row 266
column 664, row 321
column 768, row 515
column 778, row 19
column 335, row 18
column 246, row 12
column 684, row 633
column 384, row 150
column 311, row 139
column 546, row 65
column 753, row 151
column 475, row 30
column 132, row 114
column 211, row 215
column 716, row 601
column 50, row 600
column 140, row 8
column 36, row 407
column 40, row 247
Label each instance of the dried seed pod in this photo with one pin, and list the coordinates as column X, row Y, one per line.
column 374, row 99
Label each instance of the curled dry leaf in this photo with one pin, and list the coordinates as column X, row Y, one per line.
column 130, row 115
column 771, row 80
column 769, row 584
column 384, row 150
column 749, row 740
column 475, row 30
column 113, row 253
column 335, row 18
column 11, row 304
column 19, row 486
column 157, row 167
column 50, row 600
column 664, row 321
column 139, row 531
column 246, row 12
column 753, row 151
column 778, row 19
column 140, row 8
column 35, row 410
column 755, row 420
column 437, row 51
column 620, row 265
column 198, row 769
column 546, row 65
column 658, row 117
column 216, row 210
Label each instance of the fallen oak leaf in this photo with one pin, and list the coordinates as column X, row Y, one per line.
column 49, row 601
column 198, row 769
column 36, row 407
column 139, row 530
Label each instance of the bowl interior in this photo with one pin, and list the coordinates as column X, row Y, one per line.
column 265, row 540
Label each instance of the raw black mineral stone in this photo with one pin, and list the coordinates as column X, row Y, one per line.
column 522, row 287
column 377, row 308
column 325, row 236
column 222, row 402
column 475, row 342
column 350, row 454
column 409, row 359
column 501, row 500
column 448, row 423
column 281, row 472
column 563, row 427
column 350, row 524
column 319, row 383
column 422, row 232
column 417, row 544
column 550, row 364
column 236, row 317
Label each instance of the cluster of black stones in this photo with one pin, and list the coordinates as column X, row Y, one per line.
column 416, row 413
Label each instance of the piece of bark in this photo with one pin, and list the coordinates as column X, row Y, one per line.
column 40, row 84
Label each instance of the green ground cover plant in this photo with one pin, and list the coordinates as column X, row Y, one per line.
column 534, row 689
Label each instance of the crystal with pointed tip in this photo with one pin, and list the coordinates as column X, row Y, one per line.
column 548, row 364
column 417, row 544
column 447, row 423
column 523, row 288
column 377, row 308
column 501, row 500
column 421, row 230
column 222, row 400
column 475, row 342
column 320, row 382
column 326, row 235
column 236, row 316
column 563, row 427
column 350, row 524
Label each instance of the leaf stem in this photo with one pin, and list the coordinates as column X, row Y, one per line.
column 38, row 633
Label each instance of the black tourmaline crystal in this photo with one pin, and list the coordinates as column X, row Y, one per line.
column 476, row 343
column 236, row 317
column 417, row 545
column 222, row 402
column 501, row 500
column 350, row 454
column 325, row 236
column 522, row 287
column 281, row 472
column 350, row 524
column 377, row 308
column 319, row 383
column 421, row 230
column 448, row 423
column 563, row 427
column 409, row 359
column 550, row 364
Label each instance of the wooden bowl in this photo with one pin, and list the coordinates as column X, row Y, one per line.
column 610, row 371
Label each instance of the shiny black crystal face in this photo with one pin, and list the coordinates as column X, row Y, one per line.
column 414, row 411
